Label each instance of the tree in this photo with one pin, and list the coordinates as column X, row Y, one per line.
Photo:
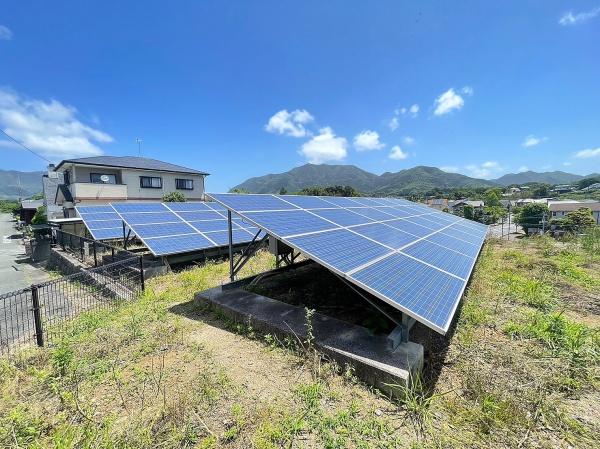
column 541, row 191
column 330, row 191
column 531, row 215
column 587, row 182
column 491, row 198
column 239, row 190
column 580, row 220
column 173, row 197
column 468, row 212
column 283, row 191
column 40, row 216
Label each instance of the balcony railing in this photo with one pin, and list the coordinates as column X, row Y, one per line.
column 94, row 191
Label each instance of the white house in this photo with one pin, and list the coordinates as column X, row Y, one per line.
column 105, row 179
column 559, row 209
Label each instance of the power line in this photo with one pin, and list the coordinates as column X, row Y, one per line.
column 19, row 143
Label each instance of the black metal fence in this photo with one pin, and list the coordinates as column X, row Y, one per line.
column 91, row 252
column 38, row 314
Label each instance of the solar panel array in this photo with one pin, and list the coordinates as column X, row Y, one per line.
column 102, row 221
column 415, row 258
column 172, row 228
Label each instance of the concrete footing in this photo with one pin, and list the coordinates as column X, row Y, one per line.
column 371, row 356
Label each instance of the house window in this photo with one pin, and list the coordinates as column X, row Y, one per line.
column 97, row 178
column 150, row 182
column 184, row 184
column 554, row 214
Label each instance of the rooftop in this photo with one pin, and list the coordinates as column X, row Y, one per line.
column 135, row 162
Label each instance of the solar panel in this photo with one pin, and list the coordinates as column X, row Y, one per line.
column 102, row 222
column 172, row 228
column 415, row 258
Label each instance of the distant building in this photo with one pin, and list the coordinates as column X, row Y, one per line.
column 559, row 209
column 562, row 189
column 438, row 203
column 458, row 205
column 595, row 186
column 522, row 202
column 28, row 209
column 105, row 179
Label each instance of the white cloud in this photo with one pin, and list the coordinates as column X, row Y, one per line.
column 325, row 146
column 532, row 141
column 468, row 91
column 50, row 128
column 409, row 140
column 449, row 169
column 586, row 154
column 485, row 170
column 574, row 19
column 397, row 153
column 290, row 123
column 5, row 33
column 522, row 168
column 368, row 141
column 567, row 164
column 393, row 124
column 447, row 102
column 414, row 110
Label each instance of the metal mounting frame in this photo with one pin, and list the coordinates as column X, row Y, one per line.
column 246, row 253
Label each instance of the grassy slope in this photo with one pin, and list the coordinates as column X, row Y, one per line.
column 521, row 370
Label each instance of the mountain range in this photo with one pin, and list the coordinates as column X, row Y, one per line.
column 413, row 180
column 19, row 184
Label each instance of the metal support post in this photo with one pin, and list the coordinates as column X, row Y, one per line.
column 230, row 232
column 95, row 255
column 142, row 280
column 37, row 316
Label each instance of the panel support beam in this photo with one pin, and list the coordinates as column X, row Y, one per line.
column 245, row 254
column 400, row 334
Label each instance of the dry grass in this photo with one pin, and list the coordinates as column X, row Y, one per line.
column 521, row 370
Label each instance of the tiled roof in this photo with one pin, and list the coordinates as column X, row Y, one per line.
column 141, row 163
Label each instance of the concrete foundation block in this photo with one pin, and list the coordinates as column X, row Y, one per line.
column 373, row 360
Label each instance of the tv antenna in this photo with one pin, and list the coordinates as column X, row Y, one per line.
column 139, row 142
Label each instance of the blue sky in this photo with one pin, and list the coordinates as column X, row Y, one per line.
column 242, row 89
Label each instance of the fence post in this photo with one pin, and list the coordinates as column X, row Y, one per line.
column 142, row 272
column 95, row 257
column 37, row 316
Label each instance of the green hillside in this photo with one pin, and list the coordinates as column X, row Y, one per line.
column 15, row 184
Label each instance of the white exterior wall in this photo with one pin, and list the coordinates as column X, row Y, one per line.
column 136, row 193
column 563, row 214
column 128, row 185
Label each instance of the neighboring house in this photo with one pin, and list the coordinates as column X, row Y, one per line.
column 524, row 201
column 559, row 209
column 28, row 209
column 458, row 206
column 562, row 189
column 595, row 186
column 438, row 203
column 50, row 183
column 105, row 179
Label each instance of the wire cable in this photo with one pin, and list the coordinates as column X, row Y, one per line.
column 19, row 143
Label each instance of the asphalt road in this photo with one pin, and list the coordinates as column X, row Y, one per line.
column 15, row 271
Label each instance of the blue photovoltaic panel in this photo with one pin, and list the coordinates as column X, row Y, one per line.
column 222, row 237
column 306, row 202
column 468, row 249
column 102, row 222
column 162, row 246
column 385, row 234
column 151, row 217
column 188, row 207
column 413, row 257
column 342, row 217
column 201, row 215
column 428, row 293
column 410, row 227
column 125, row 208
column 372, row 213
column 340, row 201
column 292, row 222
column 164, row 228
column 340, row 248
column 212, row 225
column 254, row 202
column 450, row 261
